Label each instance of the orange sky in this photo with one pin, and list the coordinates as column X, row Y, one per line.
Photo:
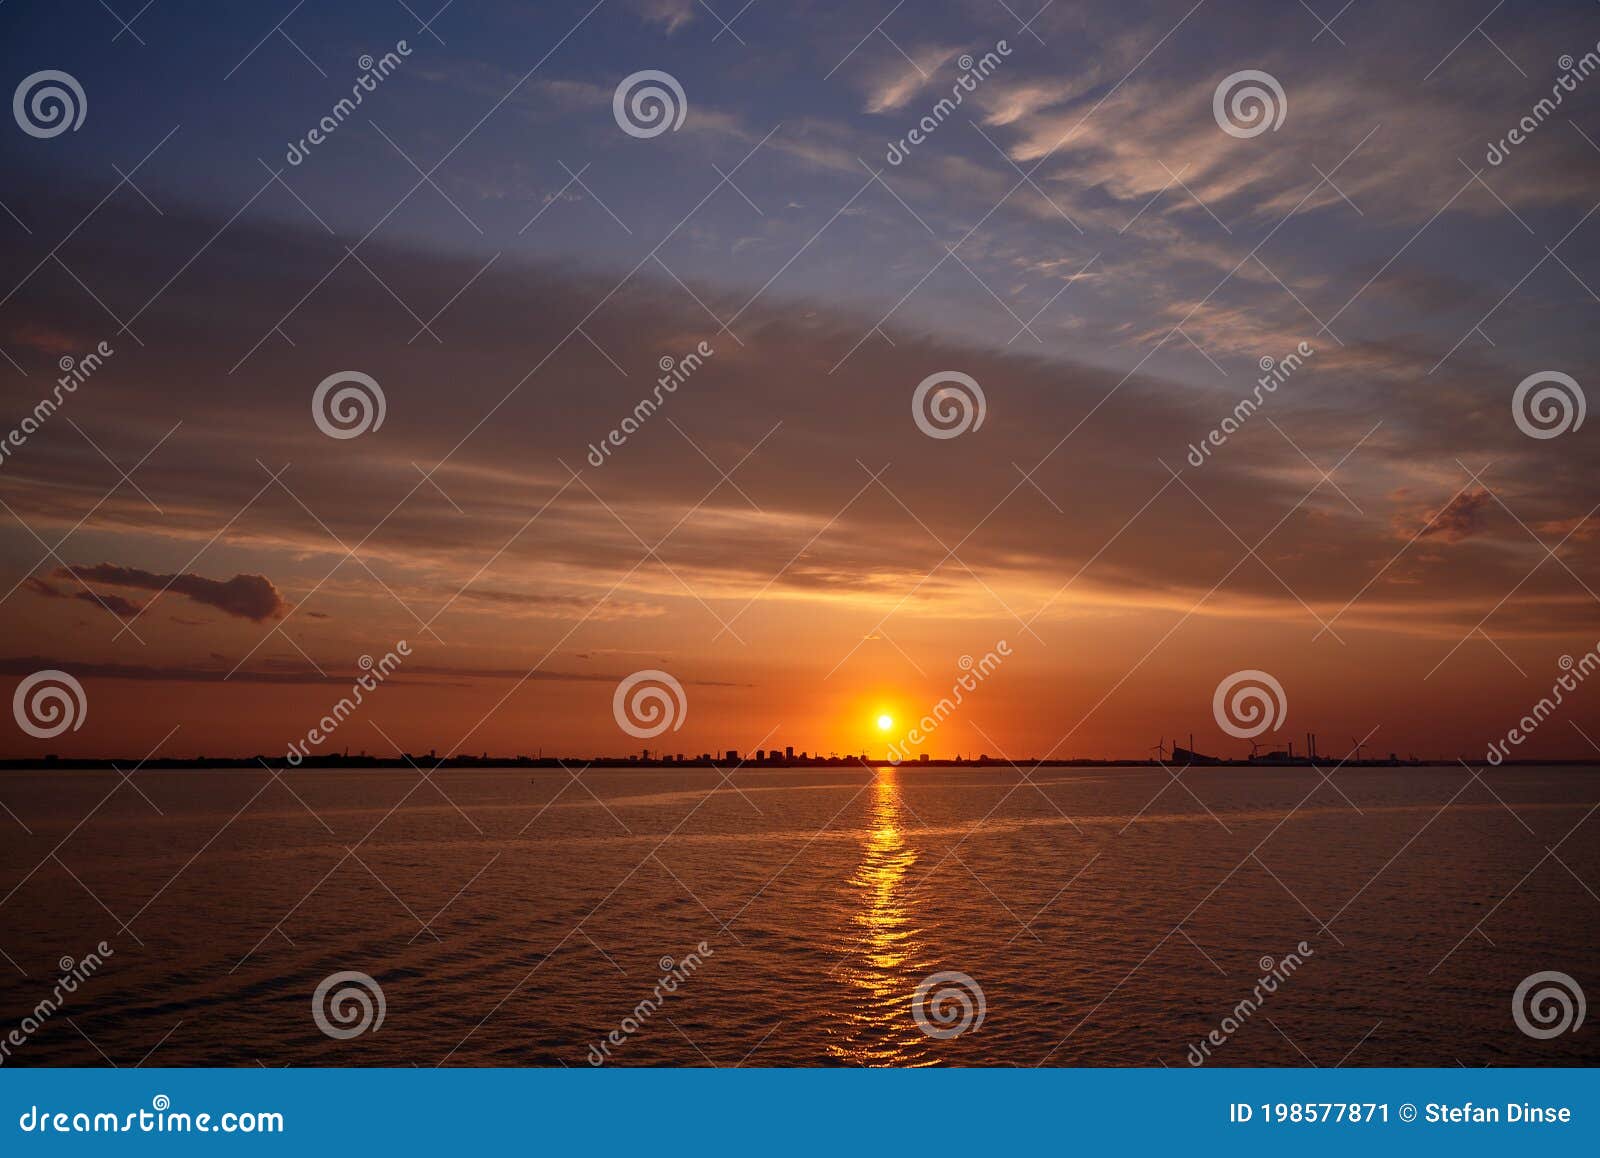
column 773, row 523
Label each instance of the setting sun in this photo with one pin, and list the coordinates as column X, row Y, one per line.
column 885, row 723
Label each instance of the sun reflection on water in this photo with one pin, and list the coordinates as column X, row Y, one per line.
column 884, row 939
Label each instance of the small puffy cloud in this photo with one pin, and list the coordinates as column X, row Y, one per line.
column 1460, row 518
column 670, row 14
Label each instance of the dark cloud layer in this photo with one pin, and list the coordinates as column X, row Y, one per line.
column 1094, row 441
column 251, row 597
column 113, row 602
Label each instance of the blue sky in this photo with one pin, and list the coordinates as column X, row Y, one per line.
column 1127, row 86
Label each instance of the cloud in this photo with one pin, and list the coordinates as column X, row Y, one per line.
column 559, row 606
column 251, row 597
column 294, row 672
column 116, row 604
column 802, row 543
column 669, row 14
column 1460, row 518
column 892, row 88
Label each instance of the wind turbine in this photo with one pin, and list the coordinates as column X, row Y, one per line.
column 1161, row 750
column 1254, row 748
column 1359, row 745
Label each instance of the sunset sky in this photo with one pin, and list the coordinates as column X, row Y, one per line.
column 1080, row 237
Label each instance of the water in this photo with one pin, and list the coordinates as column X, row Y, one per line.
column 518, row 917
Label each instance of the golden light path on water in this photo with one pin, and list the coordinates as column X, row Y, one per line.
column 883, row 943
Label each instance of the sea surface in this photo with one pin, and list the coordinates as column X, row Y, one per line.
column 1098, row 916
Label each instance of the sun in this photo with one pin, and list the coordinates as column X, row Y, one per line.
column 885, row 723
